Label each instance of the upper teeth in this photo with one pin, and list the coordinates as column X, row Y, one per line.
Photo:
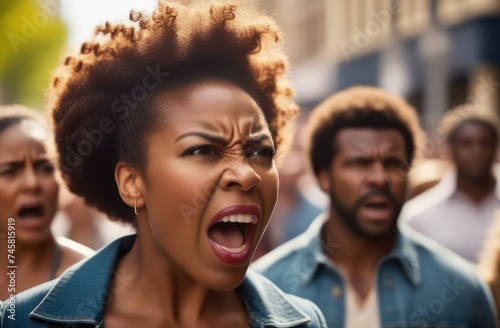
column 240, row 218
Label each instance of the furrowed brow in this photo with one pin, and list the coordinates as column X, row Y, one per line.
column 259, row 139
column 209, row 137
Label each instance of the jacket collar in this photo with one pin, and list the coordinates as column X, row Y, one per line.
column 79, row 296
column 313, row 247
column 267, row 305
column 406, row 253
column 80, row 293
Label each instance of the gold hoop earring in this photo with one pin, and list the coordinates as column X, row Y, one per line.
column 135, row 207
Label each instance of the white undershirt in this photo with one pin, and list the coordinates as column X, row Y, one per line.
column 451, row 218
column 361, row 313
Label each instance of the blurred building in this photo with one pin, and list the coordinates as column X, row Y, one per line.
column 436, row 53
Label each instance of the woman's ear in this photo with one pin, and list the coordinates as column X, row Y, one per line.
column 130, row 184
column 324, row 181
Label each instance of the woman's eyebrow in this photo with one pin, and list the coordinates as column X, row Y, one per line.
column 258, row 139
column 252, row 140
column 12, row 163
column 42, row 161
column 22, row 162
column 209, row 137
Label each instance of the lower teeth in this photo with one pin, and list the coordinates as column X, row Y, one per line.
column 234, row 250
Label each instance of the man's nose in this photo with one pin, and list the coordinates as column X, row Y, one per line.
column 377, row 175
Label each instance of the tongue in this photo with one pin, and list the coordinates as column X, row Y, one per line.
column 226, row 234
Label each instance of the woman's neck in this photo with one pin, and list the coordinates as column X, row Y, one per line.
column 145, row 279
column 30, row 256
column 30, row 264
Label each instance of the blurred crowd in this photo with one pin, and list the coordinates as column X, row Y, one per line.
column 452, row 196
column 372, row 212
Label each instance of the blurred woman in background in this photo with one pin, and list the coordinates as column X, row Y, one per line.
column 28, row 203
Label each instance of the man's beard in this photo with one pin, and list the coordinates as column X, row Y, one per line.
column 350, row 218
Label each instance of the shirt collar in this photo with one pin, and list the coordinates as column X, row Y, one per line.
column 313, row 247
column 85, row 298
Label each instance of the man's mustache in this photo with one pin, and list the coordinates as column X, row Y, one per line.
column 386, row 192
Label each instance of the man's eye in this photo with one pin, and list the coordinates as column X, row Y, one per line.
column 394, row 162
column 263, row 151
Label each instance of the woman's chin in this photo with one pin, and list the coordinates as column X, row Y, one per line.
column 32, row 238
column 226, row 282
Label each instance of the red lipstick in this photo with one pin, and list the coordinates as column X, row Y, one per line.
column 232, row 232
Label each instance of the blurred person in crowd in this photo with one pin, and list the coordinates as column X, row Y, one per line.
column 425, row 174
column 299, row 201
column 458, row 211
column 489, row 260
column 354, row 261
column 28, row 203
column 190, row 163
column 85, row 224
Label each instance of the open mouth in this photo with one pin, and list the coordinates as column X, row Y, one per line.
column 30, row 212
column 232, row 233
column 378, row 208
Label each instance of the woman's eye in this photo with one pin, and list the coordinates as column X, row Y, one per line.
column 47, row 168
column 263, row 151
column 8, row 173
column 204, row 150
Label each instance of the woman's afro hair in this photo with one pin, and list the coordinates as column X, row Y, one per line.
column 100, row 98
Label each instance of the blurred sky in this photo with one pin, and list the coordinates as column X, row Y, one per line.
column 82, row 17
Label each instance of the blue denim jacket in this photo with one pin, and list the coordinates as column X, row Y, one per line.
column 419, row 283
column 78, row 297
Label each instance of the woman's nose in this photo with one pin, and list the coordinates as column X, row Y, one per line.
column 30, row 179
column 241, row 175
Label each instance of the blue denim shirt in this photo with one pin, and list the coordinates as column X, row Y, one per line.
column 418, row 284
column 78, row 297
